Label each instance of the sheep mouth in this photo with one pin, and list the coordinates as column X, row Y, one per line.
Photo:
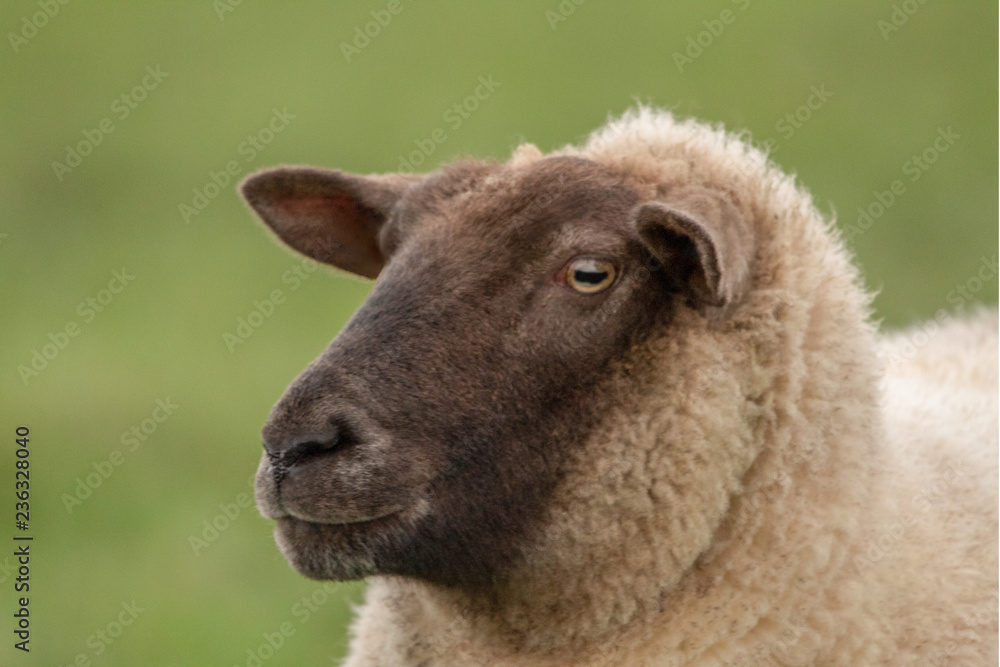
column 272, row 506
column 347, row 493
column 399, row 512
column 340, row 521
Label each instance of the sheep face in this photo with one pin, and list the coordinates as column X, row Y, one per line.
column 425, row 439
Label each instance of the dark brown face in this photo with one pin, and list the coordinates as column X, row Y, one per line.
column 425, row 439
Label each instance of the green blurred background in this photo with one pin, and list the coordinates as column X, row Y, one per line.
column 222, row 69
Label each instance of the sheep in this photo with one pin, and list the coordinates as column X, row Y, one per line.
column 625, row 404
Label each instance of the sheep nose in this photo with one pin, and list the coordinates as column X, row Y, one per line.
column 289, row 448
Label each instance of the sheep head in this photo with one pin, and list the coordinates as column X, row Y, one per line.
column 426, row 438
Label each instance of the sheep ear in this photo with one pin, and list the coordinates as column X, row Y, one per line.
column 328, row 215
column 704, row 242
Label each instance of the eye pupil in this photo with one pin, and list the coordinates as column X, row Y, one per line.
column 588, row 275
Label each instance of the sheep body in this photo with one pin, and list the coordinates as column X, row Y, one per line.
column 759, row 491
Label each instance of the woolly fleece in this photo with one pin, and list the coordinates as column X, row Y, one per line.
column 761, row 491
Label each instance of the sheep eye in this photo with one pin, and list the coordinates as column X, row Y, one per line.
column 588, row 276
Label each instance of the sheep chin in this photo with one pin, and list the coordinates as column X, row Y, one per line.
column 317, row 551
column 333, row 552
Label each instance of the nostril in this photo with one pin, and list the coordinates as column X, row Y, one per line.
column 292, row 449
column 304, row 450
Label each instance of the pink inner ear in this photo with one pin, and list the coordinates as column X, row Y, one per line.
column 334, row 229
column 329, row 207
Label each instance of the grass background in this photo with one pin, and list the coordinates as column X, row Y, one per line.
column 161, row 337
